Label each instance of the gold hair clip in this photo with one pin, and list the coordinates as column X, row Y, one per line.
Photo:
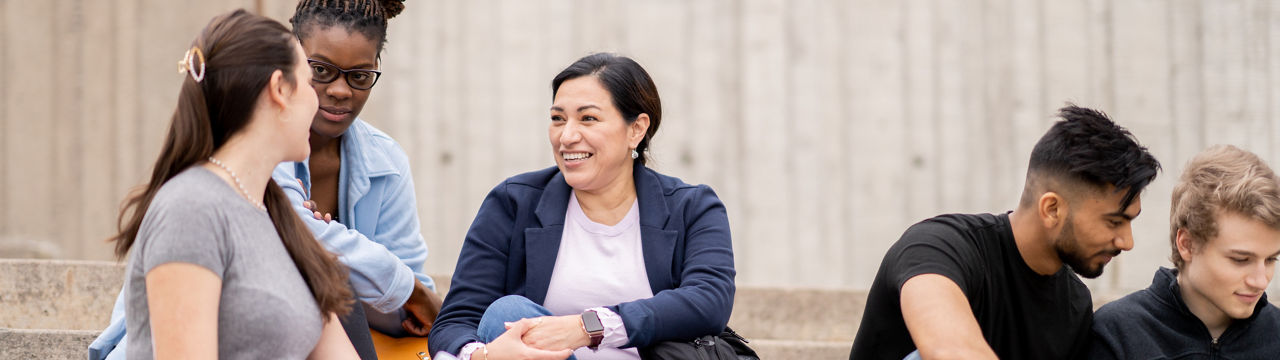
column 187, row 64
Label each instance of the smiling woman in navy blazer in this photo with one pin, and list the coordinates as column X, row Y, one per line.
column 600, row 254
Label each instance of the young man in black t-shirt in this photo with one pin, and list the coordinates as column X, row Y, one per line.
column 987, row 286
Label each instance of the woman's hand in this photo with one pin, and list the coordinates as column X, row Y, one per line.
column 508, row 346
column 422, row 307
column 556, row 332
column 311, row 205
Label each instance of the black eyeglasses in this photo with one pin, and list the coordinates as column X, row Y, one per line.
column 359, row 79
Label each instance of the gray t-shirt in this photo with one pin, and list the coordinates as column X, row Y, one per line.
column 265, row 311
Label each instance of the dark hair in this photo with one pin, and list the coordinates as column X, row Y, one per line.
column 631, row 88
column 369, row 17
column 241, row 52
column 1087, row 148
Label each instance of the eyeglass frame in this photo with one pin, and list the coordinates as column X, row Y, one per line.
column 377, row 74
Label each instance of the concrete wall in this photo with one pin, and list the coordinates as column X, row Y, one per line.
column 826, row 126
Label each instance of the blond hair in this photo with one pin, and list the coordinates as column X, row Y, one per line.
column 1221, row 179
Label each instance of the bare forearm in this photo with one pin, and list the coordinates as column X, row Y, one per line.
column 940, row 320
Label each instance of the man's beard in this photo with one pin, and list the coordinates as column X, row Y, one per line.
column 1068, row 249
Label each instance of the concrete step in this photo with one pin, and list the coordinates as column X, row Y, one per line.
column 67, row 294
column 71, row 344
column 54, row 308
column 797, row 349
column 58, row 294
column 78, row 295
column 806, row 314
column 45, row 344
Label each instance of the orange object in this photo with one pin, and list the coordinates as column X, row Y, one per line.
column 405, row 348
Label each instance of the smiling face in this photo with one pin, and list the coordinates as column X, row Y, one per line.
column 590, row 139
column 1223, row 278
column 1096, row 230
column 339, row 103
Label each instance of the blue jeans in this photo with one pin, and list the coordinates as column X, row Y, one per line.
column 510, row 308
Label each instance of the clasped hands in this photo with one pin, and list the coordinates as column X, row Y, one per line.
column 547, row 337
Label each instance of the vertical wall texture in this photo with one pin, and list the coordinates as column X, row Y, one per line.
column 826, row 126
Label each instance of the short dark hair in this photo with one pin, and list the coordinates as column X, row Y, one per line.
column 369, row 17
column 631, row 88
column 1087, row 148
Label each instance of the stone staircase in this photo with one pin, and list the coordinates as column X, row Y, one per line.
column 53, row 309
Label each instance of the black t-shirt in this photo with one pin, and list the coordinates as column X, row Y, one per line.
column 1023, row 315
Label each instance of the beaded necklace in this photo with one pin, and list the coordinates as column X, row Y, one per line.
column 235, row 178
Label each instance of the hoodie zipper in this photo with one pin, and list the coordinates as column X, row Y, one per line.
column 1214, row 347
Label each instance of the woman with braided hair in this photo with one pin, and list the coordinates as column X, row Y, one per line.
column 357, row 181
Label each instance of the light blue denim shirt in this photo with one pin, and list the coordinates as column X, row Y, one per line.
column 378, row 238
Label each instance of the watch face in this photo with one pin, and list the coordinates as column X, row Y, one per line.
column 591, row 322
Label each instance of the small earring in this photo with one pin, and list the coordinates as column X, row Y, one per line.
column 635, row 154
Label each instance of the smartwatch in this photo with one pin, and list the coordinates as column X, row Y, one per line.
column 595, row 330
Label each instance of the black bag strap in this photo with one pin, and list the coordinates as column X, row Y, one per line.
column 739, row 344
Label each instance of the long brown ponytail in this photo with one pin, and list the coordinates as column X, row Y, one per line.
column 240, row 51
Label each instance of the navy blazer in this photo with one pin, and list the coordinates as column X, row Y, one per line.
column 512, row 245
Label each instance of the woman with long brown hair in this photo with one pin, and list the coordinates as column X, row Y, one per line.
column 219, row 264
column 356, row 174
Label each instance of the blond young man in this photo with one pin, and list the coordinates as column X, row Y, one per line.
column 1224, row 237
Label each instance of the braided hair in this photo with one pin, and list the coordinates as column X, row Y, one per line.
column 369, row 17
